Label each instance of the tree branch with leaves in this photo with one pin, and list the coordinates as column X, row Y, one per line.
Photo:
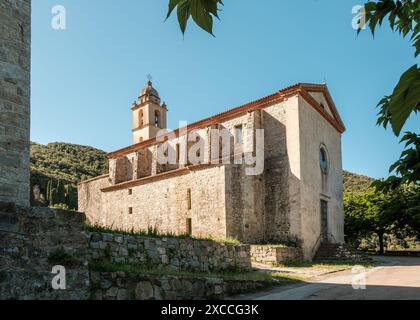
column 403, row 17
column 201, row 11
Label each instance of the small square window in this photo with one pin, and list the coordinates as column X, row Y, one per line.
column 130, row 191
column 130, row 210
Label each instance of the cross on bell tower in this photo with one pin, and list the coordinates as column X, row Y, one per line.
column 149, row 115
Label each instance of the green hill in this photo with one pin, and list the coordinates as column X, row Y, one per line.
column 354, row 182
column 57, row 168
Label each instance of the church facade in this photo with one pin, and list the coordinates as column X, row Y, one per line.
column 208, row 188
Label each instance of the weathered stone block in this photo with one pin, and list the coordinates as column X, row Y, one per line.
column 144, row 291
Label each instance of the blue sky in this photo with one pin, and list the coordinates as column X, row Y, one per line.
column 85, row 78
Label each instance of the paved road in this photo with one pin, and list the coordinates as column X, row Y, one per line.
column 399, row 279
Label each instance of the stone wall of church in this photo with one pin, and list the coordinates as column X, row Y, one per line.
column 280, row 191
column 15, row 31
column 90, row 199
column 266, row 207
column 161, row 203
column 226, row 202
column 313, row 133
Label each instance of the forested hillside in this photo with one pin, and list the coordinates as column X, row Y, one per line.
column 355, row 183
column 56, row 169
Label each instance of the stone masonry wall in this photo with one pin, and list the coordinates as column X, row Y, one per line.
column 174, row 253
column 267, row 254
column 225, row 201
column 313, row 134
column 161, row 204
column 32, row 241
column 15, row 38
column 122, row 286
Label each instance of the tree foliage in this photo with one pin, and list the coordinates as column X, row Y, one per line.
column 407, row 169
column 201, row 11
column 372, row 211
column 403, row 17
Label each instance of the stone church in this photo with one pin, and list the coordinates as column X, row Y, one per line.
column 298, row 196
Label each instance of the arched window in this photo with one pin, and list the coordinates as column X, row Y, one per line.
column 141, row 118
column 324, row 166
column 157, row 118
column 323, row 159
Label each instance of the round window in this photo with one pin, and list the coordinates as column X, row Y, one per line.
column 323, row 160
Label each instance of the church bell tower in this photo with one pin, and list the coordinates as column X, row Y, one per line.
column 149, row 115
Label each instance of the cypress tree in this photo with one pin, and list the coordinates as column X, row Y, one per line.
column 61, row 197
column 48, row 193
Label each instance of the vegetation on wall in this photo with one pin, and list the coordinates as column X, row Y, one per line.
column 57, row 168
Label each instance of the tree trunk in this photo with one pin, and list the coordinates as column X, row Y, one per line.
column 381, row 242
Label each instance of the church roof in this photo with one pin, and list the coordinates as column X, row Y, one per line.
column 301, row 89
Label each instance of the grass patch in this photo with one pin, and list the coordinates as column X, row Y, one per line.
column 270, row 277
column 273, row 245
column 291, row 242
column 154, row 233
column 334, row 265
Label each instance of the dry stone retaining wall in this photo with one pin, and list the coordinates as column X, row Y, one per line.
column 32, row 241
column 274, row 254
column 121, row 286
column 175, row 253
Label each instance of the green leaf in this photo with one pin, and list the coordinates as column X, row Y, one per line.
column 372, row 23
column 183, row 14
column 370, row 6
column 171, row 7
column 405, row 98
column 211, row 7
column 201, row 16
column 392, row 18
column 202, row 12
